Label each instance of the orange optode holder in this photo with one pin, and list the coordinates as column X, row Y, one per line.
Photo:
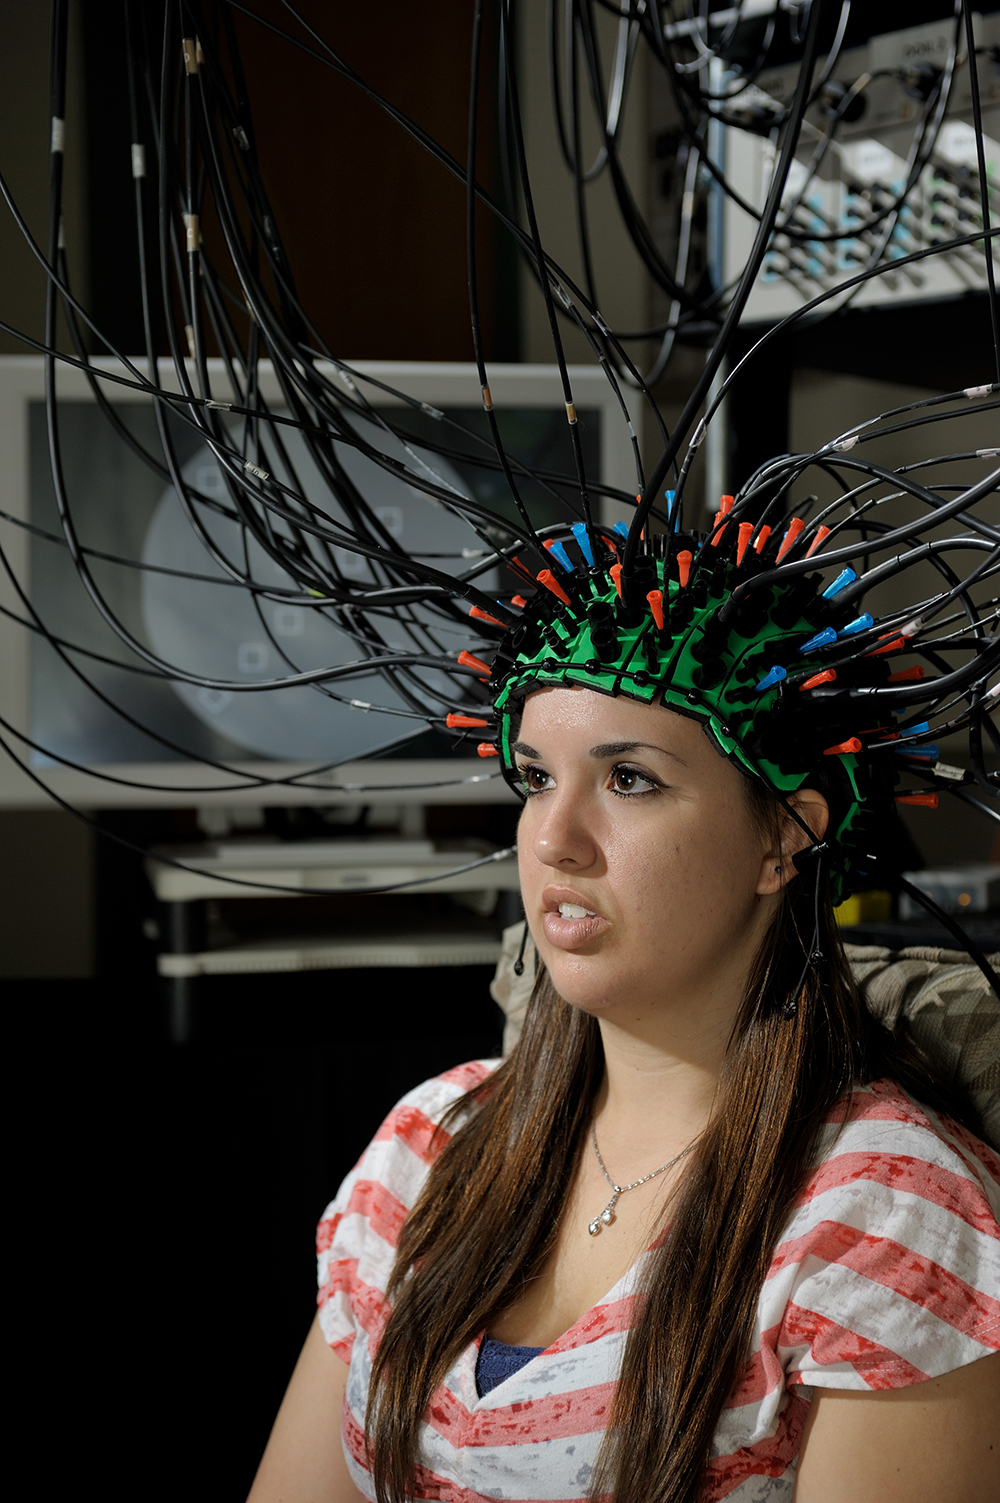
column 457, row 722
column 469, row 660
column 826, row 677
column 548, row 579
column 795, row 526
column 891, row 646
column 853, row 745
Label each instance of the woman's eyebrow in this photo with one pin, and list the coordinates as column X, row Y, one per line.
column 522, row 749
column 619, row 749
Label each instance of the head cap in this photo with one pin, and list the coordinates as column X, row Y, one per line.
column 768, row 670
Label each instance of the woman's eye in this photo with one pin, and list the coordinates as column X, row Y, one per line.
column 535, row 779
column 630, row 782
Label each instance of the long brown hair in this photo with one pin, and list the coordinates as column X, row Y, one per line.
column 485, row 1221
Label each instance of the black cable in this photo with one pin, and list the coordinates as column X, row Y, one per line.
column 742, row 294
column 984, row 189
column 949, row 923
column 203, row 142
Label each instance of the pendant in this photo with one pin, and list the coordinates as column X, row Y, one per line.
column 606, row 1217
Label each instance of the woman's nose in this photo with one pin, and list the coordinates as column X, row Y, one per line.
column 563, row 837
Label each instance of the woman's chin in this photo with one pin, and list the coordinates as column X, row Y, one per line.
column 585, row 981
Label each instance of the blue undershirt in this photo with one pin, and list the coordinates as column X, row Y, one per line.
column 498, row 1361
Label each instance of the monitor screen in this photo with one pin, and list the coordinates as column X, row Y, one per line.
column 104, row 708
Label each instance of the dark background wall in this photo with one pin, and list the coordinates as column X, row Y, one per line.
column 164, row 1202
column 374, row 228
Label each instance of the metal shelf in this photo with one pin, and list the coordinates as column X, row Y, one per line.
column 315, row 866
column 375, row 941
column 334, row 954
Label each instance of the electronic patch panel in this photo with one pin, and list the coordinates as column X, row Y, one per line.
column 842, row 199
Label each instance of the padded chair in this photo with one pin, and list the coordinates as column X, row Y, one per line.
column 936, row 998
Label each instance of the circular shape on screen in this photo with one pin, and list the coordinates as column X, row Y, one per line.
column 217, row 630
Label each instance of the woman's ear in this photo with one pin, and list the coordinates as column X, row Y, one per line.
column 778, row 866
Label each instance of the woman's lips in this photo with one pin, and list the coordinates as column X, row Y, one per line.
column 569, row 924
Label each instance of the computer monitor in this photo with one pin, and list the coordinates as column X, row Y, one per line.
column 272, row 741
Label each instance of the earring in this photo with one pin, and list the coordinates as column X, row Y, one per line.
column 777, row 868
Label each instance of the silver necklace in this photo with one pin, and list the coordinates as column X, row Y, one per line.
column 607, row 1216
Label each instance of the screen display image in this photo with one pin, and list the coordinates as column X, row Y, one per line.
column 182, row 603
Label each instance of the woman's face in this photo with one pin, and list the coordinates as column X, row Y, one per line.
column 645, row 879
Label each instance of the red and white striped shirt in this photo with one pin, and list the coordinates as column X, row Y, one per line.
column 888, row 1273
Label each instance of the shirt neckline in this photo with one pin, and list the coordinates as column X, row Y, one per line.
column 567, row 1342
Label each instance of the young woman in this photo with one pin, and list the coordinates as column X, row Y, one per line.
column 708, row 1232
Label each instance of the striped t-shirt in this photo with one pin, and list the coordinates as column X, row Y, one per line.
column 888, row 1273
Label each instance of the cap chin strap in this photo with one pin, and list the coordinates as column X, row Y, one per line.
column 519, row 962
column 815, row 856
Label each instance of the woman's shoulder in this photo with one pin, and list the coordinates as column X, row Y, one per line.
column 888, row 1270
column 889, row 1165
column 901, row 1209
column 414, row 1124
column 433, row 1097
column 877, row 1129
column 396, row 1161
column 359, row 1231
